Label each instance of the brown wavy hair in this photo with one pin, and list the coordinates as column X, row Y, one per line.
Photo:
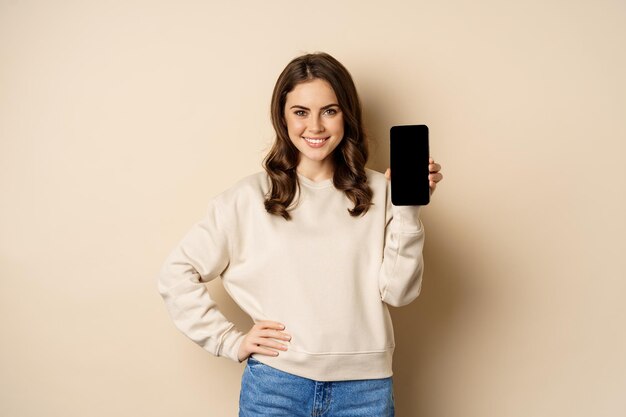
column 349, row 157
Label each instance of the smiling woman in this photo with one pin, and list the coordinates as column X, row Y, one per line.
column 316, row 276
column 316, row 113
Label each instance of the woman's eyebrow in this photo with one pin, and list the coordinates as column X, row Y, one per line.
column 306, row 108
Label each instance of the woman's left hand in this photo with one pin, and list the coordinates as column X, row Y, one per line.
column 434, row 176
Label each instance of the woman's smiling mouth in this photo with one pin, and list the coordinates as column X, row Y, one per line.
column 315, row 142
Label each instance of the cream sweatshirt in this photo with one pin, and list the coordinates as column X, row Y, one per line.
column 326, row 275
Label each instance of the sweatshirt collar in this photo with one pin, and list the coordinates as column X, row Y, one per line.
column 314, row 184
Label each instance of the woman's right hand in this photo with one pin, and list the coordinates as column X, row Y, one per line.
column 261, row 335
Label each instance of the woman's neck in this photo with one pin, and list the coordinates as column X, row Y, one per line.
column 319, row 173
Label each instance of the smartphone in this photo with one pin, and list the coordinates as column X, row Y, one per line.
column 409, row 160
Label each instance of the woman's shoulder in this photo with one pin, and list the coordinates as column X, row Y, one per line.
column 257, row 181
column 372, row 173
column 376, row 179
column 250, row 186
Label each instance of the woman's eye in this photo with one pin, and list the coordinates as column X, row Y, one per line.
column 303, row 113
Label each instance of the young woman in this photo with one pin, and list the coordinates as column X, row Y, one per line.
column 313, row 250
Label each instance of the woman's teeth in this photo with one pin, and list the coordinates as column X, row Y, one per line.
column 314, row 140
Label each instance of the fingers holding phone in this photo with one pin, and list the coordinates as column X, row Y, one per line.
column 434, row 176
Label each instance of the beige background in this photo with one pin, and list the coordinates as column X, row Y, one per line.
column 120, row 119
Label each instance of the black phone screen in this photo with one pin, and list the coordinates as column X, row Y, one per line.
column 409, row 165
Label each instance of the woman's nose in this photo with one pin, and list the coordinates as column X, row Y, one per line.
column 316, row 125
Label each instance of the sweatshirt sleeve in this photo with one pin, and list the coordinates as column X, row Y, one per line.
column 201, row 256
column 400, row 278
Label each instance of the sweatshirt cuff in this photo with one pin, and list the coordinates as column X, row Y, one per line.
column 406, row 218
column 231, row 343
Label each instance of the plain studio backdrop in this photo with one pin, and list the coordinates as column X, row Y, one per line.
column 119, row 120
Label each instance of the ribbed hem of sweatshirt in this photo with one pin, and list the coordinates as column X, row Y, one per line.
column 332, row 367
column 231, row 343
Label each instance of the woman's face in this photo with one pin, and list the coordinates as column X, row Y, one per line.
column 314, row 121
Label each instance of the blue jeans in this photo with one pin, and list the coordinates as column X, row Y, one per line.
column 270, row 392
